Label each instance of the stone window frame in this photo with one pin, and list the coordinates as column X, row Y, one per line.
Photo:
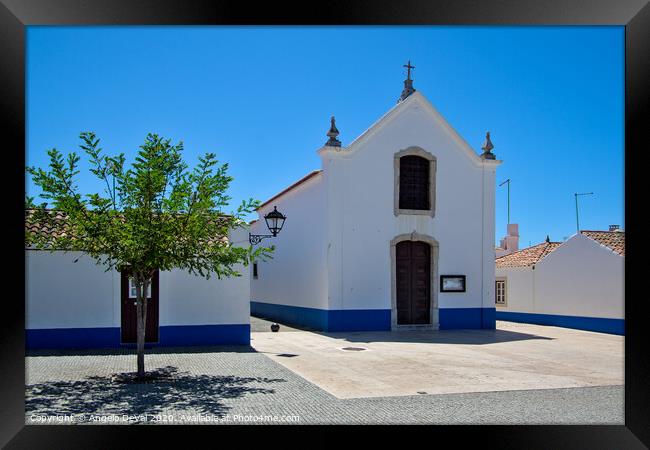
column 505, row 291
column 433, row 163
column 434, row 319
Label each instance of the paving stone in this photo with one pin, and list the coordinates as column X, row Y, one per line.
column 228, row 384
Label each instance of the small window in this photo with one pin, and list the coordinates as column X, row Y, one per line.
column 414, row 183
column 500, row 292
column 255, row 270
column 133, row 292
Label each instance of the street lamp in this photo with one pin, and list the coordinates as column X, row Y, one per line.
column 274, row 222
column 578, row 221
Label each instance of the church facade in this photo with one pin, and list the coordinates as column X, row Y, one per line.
column 394, row 231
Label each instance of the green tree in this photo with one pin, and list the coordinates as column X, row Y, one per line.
column 155, row 215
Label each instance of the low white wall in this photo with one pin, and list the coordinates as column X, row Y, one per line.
column 580, row 278
column 187, row 299
column 60, row 293
column 63, row 294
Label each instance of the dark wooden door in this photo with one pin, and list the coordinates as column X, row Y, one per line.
column 413, row 263
column 129, row 333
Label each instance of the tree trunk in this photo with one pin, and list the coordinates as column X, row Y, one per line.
column 141, row 312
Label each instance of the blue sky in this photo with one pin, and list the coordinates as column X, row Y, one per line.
column 261, row 98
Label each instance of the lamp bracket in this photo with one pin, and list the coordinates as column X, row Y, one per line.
column 257, row 238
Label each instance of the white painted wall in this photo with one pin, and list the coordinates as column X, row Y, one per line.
column 334, row 251
column 519, row 289
column 297, row 274
column 361, row 190
column 60, row 293
column 63, row 294
column 579, row 278
column 187, row 299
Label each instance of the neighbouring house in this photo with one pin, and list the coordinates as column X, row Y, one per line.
column 394, row 231
column 578, row 283
column 70, row 302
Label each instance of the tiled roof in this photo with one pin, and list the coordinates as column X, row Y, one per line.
column 57, row 226
column 528, row 256
column 614, row 240
column 54, row 229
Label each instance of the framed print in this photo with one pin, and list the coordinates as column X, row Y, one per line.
column 446, row 92
column 452, row 283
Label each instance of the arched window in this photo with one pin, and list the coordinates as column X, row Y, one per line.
column 414, row 183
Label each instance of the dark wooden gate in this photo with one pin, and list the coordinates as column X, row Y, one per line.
column 413, row 265
column 129, row 334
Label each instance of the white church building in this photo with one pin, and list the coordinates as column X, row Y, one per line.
column 394, row 231
column 579, row 283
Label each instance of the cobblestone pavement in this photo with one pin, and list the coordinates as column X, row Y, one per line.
column 238, row 385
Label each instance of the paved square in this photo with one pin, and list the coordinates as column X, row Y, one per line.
column 513, row 357
column 238, row 385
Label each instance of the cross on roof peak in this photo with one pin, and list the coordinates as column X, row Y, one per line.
column 408, row 83
column 408, row 69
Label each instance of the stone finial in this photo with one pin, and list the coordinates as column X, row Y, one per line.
column 333, row 134
column 408, row 83
column 487, row 148
column 548, row 239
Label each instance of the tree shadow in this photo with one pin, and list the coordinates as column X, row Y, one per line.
column 166, row 389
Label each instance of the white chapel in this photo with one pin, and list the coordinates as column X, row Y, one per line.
column 394, row 231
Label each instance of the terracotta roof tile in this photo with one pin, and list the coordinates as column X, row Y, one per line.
column 528, row 256
column 57, row 227
column 614, row 240
column 54, row 229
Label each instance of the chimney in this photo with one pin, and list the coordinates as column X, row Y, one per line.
column 512, row 239
column 614, row 227
column 510, row 243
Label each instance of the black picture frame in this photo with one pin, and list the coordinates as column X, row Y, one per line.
column 463, row 279
column 634, row 15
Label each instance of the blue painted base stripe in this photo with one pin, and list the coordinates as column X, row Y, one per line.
column 599, row 324
column 359, row 320
column 466, row 318
column 171, row 335
column 325, row 320
column 72, row 338
column 367, row 319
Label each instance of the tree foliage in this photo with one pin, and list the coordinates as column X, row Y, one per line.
column 156, row 214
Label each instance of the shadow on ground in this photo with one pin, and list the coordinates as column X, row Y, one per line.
column 168, row 390
column 261, row 324
column 465, row 337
